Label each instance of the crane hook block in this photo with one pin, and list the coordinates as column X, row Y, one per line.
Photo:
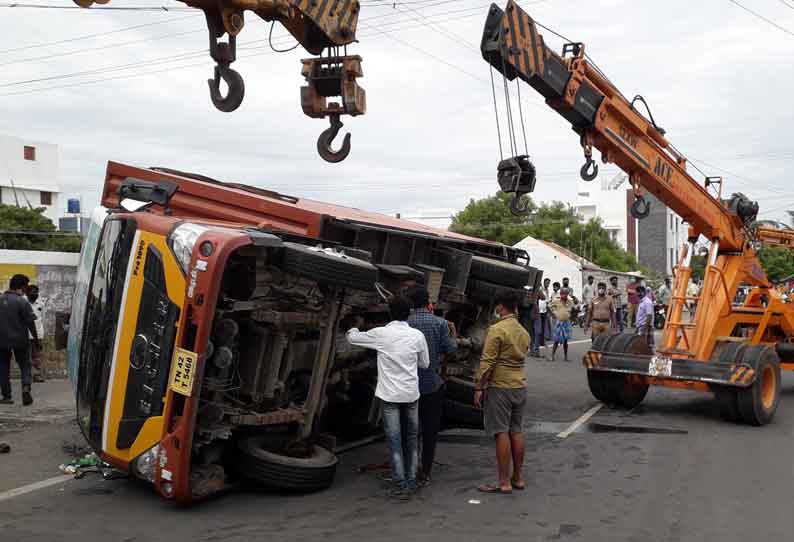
column 589, row 170
column 234, row 96
column 327, row 137
column 516, row 175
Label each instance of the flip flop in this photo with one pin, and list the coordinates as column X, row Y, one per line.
column 517, row 487
column 490, row 488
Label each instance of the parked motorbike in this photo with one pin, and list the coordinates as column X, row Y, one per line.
column 659, row 316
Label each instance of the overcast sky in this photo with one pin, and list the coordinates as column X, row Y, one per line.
column 718, row 79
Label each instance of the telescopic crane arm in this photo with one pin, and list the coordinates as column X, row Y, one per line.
column 317, row 25
column 606, row 120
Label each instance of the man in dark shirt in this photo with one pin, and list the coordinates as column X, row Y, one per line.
column 16, row 319
column 440, row 340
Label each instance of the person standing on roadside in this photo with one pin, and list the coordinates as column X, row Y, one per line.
column 547, row 293
column 664, row 294
column 644, row 324
column 600, row 313
column 633, row 299
column 562, row 308
column 502, row 383
column 441, row 340
column 402, row 350
column 539, row 338
column 588, row 293
column 16, row 320
column 39, row 373
column 614, row 292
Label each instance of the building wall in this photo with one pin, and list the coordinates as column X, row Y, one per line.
column 601, row 199
column 53, row 272
column 554, row 264
column 30, row 177
column 660, row 237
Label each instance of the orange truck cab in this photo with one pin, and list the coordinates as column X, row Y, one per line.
column 206, row 344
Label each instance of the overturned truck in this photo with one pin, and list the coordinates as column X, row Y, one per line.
column 207, row 345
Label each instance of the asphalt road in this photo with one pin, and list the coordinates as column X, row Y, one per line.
column 691, row 476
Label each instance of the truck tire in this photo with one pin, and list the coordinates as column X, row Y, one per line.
column 460, row 390
column 314, row 264
column 457, row 414
column 726, row 396
column 758, row 403
column 484, row 292
column 618, row 389
column 499, row 272
column 256, row 463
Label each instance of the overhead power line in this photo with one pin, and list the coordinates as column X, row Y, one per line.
column 97, row 8
column 96, row 35
column 765, row 19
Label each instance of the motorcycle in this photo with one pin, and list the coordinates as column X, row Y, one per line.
column 659, row 316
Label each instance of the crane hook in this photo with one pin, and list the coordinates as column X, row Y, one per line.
column 518, row 206
column 589, row 170
column 327, row 137
column 234, row 96
column 641, row 208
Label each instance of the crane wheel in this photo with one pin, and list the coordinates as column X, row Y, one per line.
column 619, row 389
column 758, row 403
column 728, row 352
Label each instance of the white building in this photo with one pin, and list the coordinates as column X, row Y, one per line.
column 436, row 218
column 555, row 262
column 30, row 175
column 655, row 241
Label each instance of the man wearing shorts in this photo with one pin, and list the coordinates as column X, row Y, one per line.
column 502, row 381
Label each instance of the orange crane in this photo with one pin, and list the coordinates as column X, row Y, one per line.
column 318, row 25
column 734, row 350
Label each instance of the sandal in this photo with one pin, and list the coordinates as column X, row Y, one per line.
column 521, row 487
column 490, row 488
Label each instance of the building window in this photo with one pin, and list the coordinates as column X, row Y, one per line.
column 46, row 198
column 30, row 153
column 671, row 221
column 672, row 261
column 584, row 194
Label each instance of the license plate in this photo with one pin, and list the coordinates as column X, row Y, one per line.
column 660, row 366
column 183, row 370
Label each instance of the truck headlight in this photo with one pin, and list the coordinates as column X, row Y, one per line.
column 182, row 241
column 145, row 464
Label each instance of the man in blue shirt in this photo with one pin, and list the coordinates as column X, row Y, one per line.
column 644, row 323
column 440, row 341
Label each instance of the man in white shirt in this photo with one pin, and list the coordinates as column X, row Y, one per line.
column 39, row 372
column 401, row 351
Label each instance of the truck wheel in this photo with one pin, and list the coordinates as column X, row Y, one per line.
column 311, row 472
column 484, row 292
column 621, row 390
column 457, row 414
column 460, row 390
column 315, row 264
column 499, row 272
column 758, row 403
column 726, row 396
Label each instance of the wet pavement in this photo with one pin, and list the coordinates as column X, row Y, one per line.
column 669, row 470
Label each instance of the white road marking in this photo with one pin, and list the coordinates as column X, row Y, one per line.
column 11, row 493
column 580, row 421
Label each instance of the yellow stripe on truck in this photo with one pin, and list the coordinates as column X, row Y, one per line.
column 152, row 429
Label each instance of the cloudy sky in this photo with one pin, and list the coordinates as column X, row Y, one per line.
column 718, row 79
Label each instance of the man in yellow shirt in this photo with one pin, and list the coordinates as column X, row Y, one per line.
column 501, row 378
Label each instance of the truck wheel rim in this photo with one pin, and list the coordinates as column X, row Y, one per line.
column 768, row 387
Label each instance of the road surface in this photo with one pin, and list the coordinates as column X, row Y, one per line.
column 675, row 472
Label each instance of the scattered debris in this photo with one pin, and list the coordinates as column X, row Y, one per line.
column 4, row 447
column 474, row 501
column 75, row 449
column 91, row 463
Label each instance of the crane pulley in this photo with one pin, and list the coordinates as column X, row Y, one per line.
column 317, row 25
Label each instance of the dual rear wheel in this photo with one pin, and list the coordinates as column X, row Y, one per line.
column 618, row 389
column 756, row 404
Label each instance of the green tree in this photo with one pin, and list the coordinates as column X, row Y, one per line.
column 29, row 229
column 778, row 262
column 490, row 218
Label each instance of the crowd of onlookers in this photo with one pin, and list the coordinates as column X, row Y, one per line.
column 601, row 308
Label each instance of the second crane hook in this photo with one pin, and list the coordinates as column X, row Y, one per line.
column 234, row 96
column 327, row 137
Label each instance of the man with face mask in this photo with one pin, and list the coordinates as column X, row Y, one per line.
column 600, row 313
column 36, row 303
column 562, row 308
column 502, row 381
column 614, row 292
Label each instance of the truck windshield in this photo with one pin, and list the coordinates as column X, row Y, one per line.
column 102, row 304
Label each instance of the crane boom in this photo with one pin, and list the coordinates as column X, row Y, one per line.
column 606, row 120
